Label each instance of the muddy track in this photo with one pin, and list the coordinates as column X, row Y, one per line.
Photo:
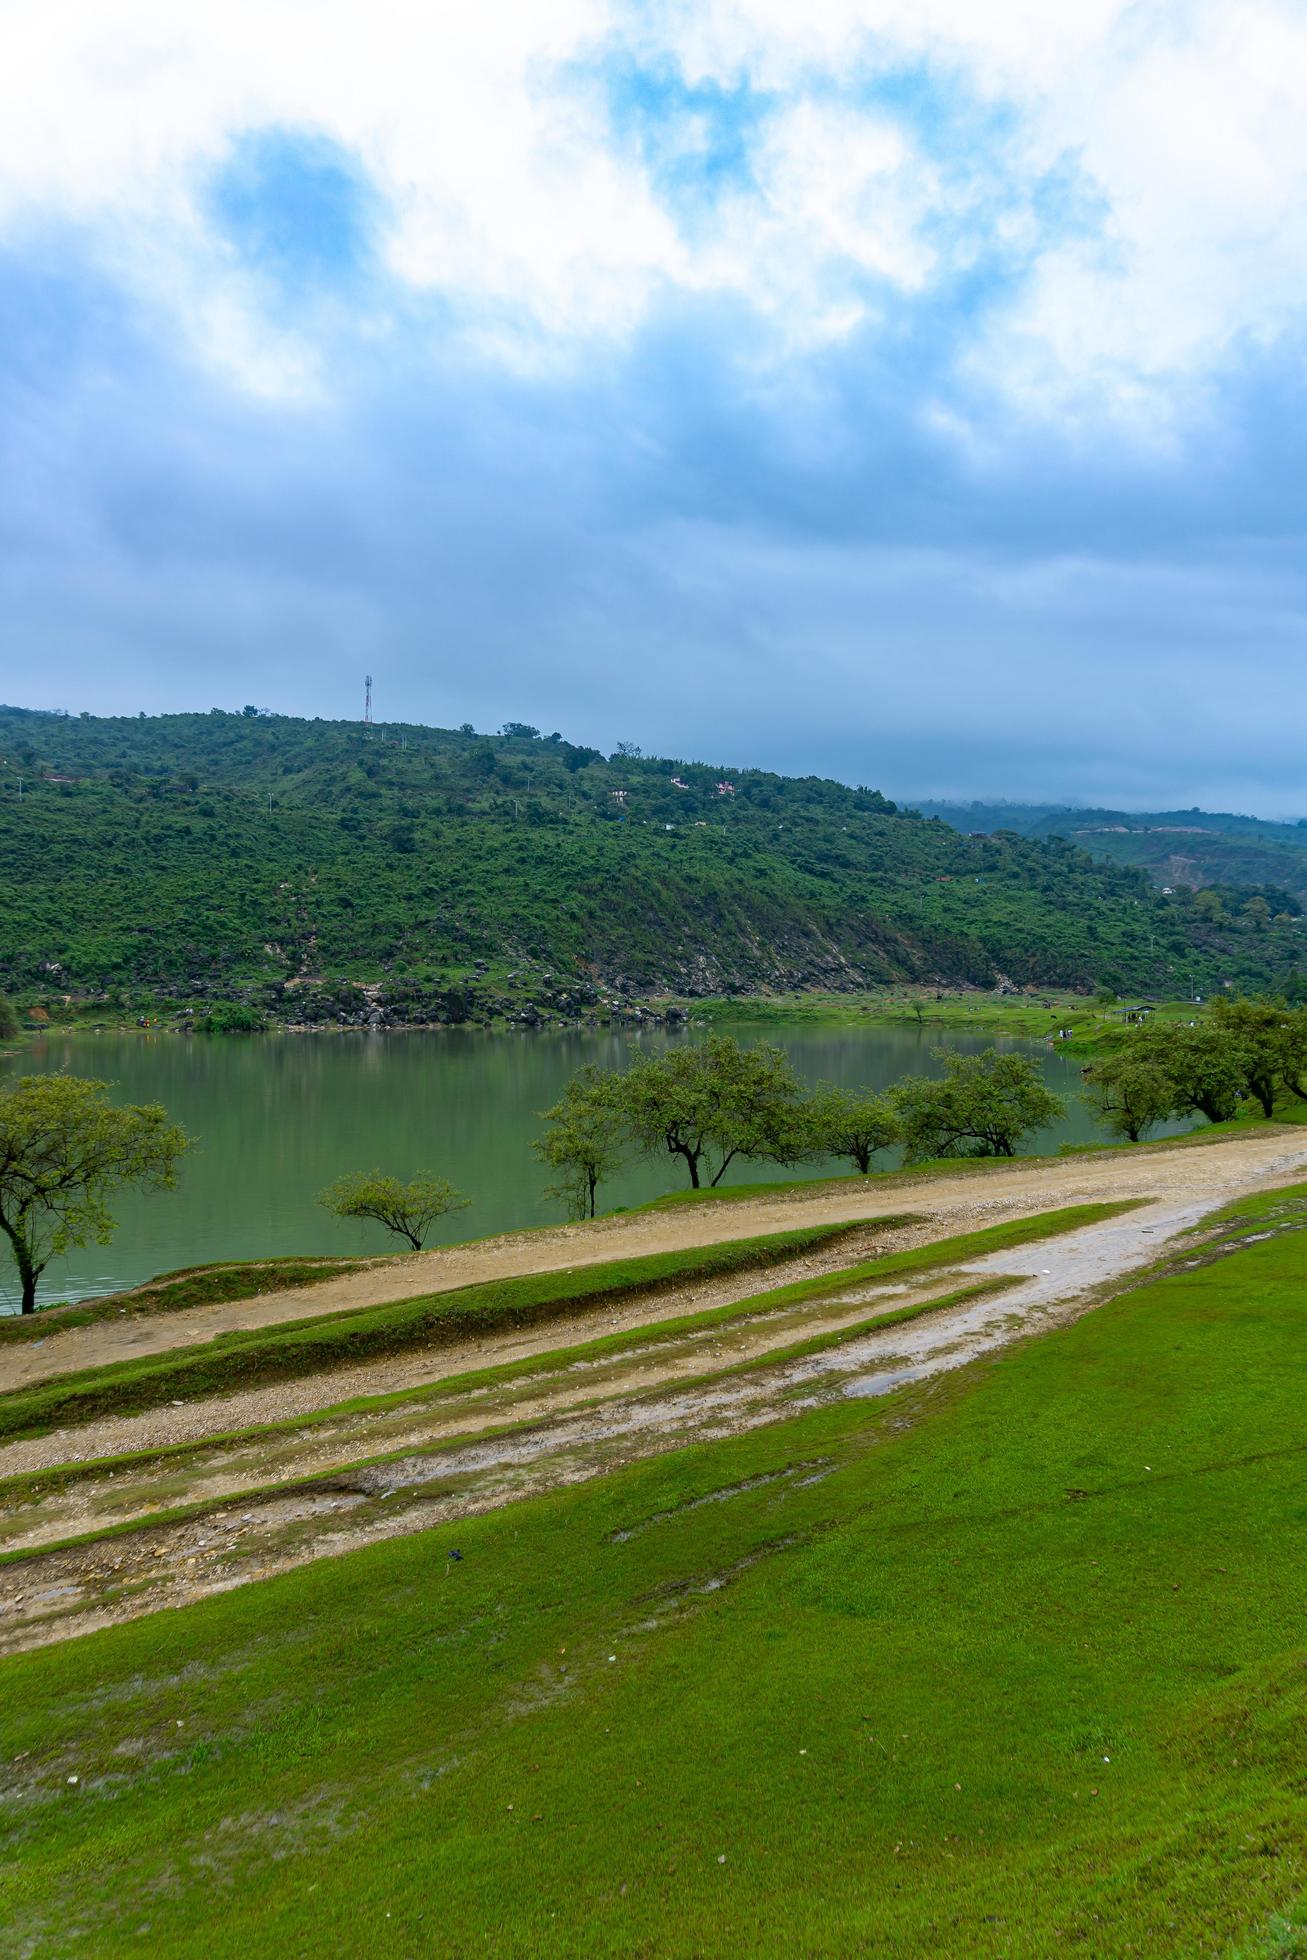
column 562, row 1436
column 1230, row 1165
column 284, row 1401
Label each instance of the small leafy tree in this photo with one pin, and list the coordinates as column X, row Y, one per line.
column 1131, row 1093
column 715, row 1099
column 230, row 1017
column 851, row 1123
column 587, row 1139
column 407, row 1209
column 9, row 1022
column 64, row 1151
column 982, row 1107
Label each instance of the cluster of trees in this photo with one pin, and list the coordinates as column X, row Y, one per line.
column 1243, row 1049
column 713, row 1101
column 65, row 1149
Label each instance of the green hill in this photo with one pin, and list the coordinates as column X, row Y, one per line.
column 279, row 862
column 1197, row 849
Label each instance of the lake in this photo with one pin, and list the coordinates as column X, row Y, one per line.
column 277, row 1117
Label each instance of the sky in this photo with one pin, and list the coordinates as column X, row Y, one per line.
column 910, row 391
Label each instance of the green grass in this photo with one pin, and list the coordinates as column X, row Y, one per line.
column 972, row 1011
column 194, row 1286
column 1286, row 1201
column 252, row 1357
column 867, row 1666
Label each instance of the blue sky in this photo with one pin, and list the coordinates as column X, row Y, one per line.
column 908, row 392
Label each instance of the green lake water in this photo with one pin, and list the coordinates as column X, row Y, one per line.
column 277, row 1117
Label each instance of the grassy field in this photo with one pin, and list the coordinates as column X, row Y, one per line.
column 999, row 1666
column 1094, row 1027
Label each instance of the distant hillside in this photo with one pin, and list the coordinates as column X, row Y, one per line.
column 1193, row 848
column 267, row 859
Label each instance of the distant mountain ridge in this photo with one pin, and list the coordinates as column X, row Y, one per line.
column 1194, row 848
column 453, row 875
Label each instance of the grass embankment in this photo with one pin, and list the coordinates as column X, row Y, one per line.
column 496, row 1423
column 529, row 1371
column 192, row 1286
column 253, row 1357
column 992, row 1667
column 1093, row 1027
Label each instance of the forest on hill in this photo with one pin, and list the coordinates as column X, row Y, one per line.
column 1235, row 858
column 257, row 858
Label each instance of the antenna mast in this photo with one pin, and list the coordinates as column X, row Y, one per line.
column 367, row 702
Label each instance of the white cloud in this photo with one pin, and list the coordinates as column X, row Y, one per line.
column 509, row 191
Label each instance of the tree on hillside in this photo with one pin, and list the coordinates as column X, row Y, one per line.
column 587, row 1138
column 714, row 1098
column 64, row 1151
column 851, row 1123
column 1131, row 1093
column 9, row 1022
column 407, row 1209
column 981, row 1107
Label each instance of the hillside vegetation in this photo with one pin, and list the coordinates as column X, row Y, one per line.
column 262, row 865
column 1233, row 859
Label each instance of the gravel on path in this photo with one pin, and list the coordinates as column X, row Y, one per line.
column 1233, row 1162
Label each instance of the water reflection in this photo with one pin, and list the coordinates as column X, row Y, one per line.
column 279, row 1116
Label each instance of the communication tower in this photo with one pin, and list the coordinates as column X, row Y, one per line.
column 367, row 702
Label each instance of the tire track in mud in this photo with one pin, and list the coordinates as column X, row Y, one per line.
column 63, row 1592
column 1017, row 1187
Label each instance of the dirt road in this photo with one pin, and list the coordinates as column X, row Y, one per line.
column 559, row 1429
column 1212, row 1172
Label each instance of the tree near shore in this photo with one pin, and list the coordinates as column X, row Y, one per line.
column 407, row 1209
column 981, row 1107
column 1268, row 1041
column 1131, row 1093
column 716, row 1099
column 587, row 1139
column 9, row 1022
column 851, row 1123
column 64, row 1151
column 1201, row 1063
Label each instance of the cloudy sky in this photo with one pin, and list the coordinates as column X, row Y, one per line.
column 906, row 390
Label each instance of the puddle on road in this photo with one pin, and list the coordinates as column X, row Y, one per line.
column 883, row 1384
